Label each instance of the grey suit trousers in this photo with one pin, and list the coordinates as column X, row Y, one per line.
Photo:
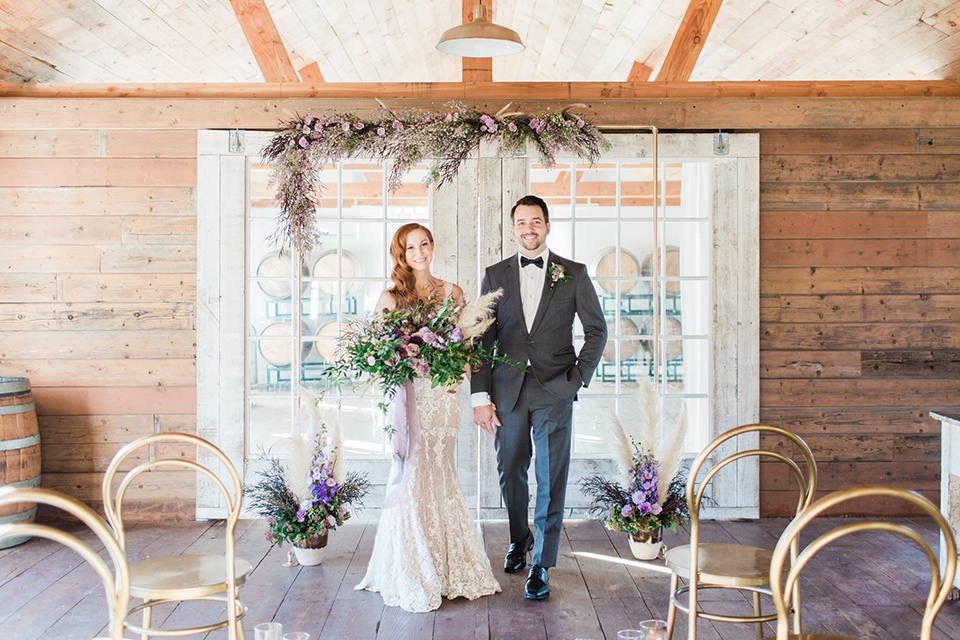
column 546, row 419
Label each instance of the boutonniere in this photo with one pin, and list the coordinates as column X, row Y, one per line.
column 557, row 274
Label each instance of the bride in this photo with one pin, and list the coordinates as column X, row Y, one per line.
column 427, row 545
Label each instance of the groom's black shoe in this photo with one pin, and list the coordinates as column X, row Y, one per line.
column 517, row 554
column 538, row 585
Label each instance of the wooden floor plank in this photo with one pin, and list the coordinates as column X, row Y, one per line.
column 43, row 594
column 309, row 599
column 355, row 615
column 569, row 611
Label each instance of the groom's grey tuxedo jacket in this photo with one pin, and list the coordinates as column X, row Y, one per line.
column 548, row 346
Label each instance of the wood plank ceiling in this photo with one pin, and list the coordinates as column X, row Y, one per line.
column 177, row 41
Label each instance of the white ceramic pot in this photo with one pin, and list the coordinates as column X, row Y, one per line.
column 647, row 546
column 309, row 557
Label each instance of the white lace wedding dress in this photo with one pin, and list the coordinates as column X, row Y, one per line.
column 427, row 544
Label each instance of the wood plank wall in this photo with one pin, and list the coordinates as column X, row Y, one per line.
column 97, row 299
column 860, row 294
column 860, row 303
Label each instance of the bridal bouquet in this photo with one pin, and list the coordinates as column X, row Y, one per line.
column 653, row 493
column 435, row 339
column 302, row 505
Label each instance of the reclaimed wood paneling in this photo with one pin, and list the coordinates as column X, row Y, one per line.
column 860, row 298
column 97, row 298
column 844, row 224
column 55, row 316
column 127, row 201
column 96, row 172
column 860, row 308
column 158, row 287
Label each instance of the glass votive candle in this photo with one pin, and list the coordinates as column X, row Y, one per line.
column 268, row 631
column 653, row 630
column 629, row 634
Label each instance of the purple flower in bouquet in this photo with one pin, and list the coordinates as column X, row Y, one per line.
column 512, row 127
column 456, row 335
column 626, row 510
column 426, row 335
column 422, row 369
column 346, row 127
column 534, row 123
column 358, row 126
column 412, row 349
column 303, row 143
column 381, row 131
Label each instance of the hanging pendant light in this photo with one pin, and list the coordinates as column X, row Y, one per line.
column 480, row 39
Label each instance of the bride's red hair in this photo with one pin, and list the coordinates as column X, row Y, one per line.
column 404, row 289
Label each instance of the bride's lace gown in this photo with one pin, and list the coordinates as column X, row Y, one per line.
column 427, row 544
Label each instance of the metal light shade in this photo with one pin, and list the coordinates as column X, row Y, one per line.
column 480, row 39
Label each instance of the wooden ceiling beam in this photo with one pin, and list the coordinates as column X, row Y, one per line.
column 242, row 111
column 639, row 72
column 265, row 41
column 311, row 73
column 688, row 43
column 497, row 91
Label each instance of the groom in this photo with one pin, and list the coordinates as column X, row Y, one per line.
column 542, row 293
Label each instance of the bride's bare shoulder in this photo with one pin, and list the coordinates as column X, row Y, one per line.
column 456, row 292
column 385, row 302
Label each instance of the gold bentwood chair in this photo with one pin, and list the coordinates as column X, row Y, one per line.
column 731, row 566
column 940, row 584
column 116, row 583
column 184, row 577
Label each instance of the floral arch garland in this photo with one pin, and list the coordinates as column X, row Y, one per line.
column 304, row 144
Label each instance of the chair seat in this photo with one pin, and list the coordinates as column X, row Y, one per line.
column 724, row 564
column 181, row 577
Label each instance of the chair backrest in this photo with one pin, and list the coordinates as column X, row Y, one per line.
column 113, row 501
column 940, row 584
column 695, row 492
column 116, row 583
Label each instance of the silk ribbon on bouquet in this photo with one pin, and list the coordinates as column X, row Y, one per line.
column 406, row 432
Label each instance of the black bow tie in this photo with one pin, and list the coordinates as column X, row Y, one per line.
column 538, row 261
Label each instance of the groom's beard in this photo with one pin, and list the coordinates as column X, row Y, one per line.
column 538, row 243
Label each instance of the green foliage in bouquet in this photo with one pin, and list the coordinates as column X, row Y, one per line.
column 435, row 339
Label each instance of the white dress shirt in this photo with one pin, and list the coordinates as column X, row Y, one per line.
column 531, row 290
column 531, row 287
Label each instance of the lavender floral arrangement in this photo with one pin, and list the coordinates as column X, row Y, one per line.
column 648, row 450
column 638, row 507
column 302, row 145
column 322, row 505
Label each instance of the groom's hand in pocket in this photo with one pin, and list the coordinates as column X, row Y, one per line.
column 485, row 417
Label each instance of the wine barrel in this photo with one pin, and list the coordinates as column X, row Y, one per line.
column 670, row 269
column 605, row 266
column 19, row 450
